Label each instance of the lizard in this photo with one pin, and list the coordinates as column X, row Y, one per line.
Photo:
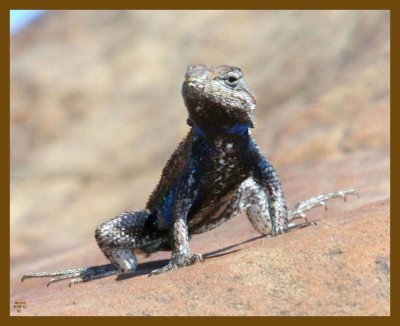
column 216, row 172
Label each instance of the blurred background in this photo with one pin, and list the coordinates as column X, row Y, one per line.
column 96, row 109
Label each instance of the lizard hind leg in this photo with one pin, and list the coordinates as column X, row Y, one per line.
column 77, row 275
column 116, row 238
column 302, row 207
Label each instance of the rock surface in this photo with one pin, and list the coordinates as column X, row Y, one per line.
column 320, row 270
column 93, row 100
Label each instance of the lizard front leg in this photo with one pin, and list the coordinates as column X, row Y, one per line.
column 181, row 253
column 266, row 206
column 184, row 196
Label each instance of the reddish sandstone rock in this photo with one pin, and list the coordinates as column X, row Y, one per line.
column 339, row 267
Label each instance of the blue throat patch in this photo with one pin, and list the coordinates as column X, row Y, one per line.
column 237, row 129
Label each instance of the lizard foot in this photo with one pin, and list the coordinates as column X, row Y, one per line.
column 177, row 262
column 304, row 206
column 77, row 275
column 294, row 226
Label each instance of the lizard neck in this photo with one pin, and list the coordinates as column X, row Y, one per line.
column 238, row 130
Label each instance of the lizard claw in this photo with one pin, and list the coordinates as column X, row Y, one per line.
column 197, row 257
column 177, row 262
column 323, row 204
column 294, row 226
column 164, row 269
column 349, row 192
column 75, row 280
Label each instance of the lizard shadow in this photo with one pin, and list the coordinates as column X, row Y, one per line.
column 146, row 268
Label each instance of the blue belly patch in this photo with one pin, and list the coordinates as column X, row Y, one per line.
column 166, row 207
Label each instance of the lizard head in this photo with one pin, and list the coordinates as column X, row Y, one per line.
column 218, row 99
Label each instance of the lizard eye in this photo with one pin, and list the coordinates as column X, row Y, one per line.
column 232, row 79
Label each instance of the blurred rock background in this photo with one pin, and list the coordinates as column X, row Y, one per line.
column 96, row 110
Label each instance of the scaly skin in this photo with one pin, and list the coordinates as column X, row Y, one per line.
column 216, row 172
